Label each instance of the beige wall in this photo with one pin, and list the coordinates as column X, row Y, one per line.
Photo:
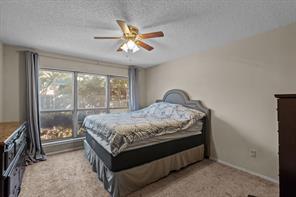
column 13, row 73
column 1, row 82
column 238, row 83
column 14, row 85
column 54, row 61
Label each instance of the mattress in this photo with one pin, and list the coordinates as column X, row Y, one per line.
column 122, row 129
column 191, row 131
column 147, row 153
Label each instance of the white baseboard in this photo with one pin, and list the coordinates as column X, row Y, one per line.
column 62, row 146
column 63, row 151
column 245, row 170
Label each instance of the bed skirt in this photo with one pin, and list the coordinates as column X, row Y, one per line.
column 122, row 183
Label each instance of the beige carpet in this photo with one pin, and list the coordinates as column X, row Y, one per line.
column 70, row 175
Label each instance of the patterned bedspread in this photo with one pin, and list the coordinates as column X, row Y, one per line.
column 122, row 129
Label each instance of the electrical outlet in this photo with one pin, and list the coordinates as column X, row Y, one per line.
column 253, row 153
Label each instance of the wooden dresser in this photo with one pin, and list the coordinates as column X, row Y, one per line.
column 287, row 144
column 12, row 149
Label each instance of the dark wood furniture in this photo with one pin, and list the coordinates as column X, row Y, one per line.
column 12, row 155
column 287, row 144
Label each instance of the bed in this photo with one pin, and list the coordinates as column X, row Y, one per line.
column 131, row 158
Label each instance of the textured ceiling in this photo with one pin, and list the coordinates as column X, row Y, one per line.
column 68, row 27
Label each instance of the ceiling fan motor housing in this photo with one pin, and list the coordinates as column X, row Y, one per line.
column 134, row 31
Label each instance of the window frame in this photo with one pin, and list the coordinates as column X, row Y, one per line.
column 75, row 110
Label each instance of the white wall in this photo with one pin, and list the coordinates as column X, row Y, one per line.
column 238, row 83
column 1, row 82
column 13, row 95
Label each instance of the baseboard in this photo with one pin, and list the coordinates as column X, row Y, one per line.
column 63, row 151
column 64, row 146
column 245, row 170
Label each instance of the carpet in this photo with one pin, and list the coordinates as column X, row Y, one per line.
column 70, row 175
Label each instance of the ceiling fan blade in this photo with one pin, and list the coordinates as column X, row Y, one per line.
column 123, row 26
column 144, row 45
column 152, row 35
column 97, row 37
column 119, row 49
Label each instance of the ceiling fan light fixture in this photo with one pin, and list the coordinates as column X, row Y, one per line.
column 124, row 47
column 130, row 46
column 135, row 49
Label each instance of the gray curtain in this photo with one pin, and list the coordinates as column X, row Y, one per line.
column 35, row 150
column 133, row 88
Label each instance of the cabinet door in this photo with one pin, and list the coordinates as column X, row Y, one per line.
column 287, row 146
column 14, row 178
column 12, row 183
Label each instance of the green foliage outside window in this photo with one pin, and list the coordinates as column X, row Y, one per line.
column 57, row 105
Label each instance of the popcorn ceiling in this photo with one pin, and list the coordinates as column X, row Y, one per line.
column 190, row 26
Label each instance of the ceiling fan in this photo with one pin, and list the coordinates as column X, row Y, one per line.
column 132, row 40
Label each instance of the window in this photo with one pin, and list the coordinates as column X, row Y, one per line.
column 118, row 93
column 56, row 90
column 66, row 98
column 91, row 91
column 57, row 100
column 56, row 125
column 91, row 97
